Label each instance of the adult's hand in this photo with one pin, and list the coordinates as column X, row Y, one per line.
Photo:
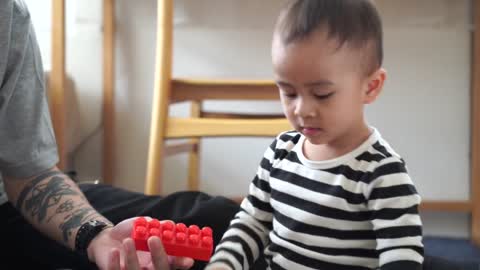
column 113, row 249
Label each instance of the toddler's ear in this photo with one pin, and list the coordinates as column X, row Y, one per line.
column 375, row 85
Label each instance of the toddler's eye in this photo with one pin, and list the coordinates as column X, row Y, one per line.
column 289, row 95
column 325, row 96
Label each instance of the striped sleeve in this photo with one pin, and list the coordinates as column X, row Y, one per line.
column 393, row 202
column 247, row 235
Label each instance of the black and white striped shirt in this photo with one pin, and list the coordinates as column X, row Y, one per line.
column 357, row 211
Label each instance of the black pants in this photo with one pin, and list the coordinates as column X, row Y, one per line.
column 29, row 249
column 434, row 263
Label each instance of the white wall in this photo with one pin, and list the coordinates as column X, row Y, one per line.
column 423, row 112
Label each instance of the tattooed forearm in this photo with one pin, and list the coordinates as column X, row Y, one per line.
column 65, row 207
column 45, row 196
column 27, row 190
column 54, row 204
column 39, row 196
column 75, row 220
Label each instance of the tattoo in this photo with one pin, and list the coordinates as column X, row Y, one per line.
column 31, row 185
column 75, row 220
column 40, row 195
column 66, row 206
column 44, row 196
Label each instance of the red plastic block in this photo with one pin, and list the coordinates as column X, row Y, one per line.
column 178, row 239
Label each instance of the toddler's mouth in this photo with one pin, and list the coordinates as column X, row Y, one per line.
column 310, row 130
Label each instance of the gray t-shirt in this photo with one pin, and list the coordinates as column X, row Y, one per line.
column 27, row 142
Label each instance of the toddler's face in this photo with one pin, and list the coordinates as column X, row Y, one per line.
column 322, row 87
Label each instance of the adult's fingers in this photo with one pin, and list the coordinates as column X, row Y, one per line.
column 114, row 260
column 162, row 261
column 159, row 257
column 182, row 263
column 131, row 259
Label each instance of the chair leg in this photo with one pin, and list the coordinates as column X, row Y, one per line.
column 161, row 96
column 194, row 155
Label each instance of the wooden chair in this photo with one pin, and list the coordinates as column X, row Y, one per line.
column 201, row 124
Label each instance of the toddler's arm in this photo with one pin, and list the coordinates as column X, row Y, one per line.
column 394, row 203
column 247, row 235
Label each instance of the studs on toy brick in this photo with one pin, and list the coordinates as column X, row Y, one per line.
column 180, row 227
column 207, row 231
column 178, row 239
column 140, row 232
column 141, row 221
column 181, row 238
column 168, row 225
column 207, row 241
column 154, row 232
column 154, row 223
column 193, row 229
column 194, row 239
column 167, row 235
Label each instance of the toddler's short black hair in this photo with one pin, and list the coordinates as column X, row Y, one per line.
column 356, row 23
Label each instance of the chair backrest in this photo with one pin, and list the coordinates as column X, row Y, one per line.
column 200, row 124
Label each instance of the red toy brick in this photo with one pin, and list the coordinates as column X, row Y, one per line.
column 178, row 239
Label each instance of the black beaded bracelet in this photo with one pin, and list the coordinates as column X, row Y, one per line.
column 86, row 233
